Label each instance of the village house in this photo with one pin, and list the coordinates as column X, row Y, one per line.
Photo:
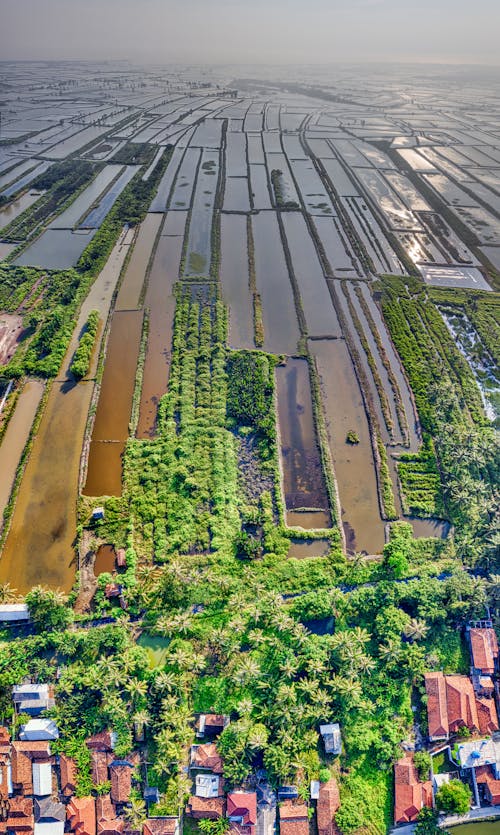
column 294, row 819
column 410, row 795
column 121, row 781
column 80, row 813
column 39, row 729
column 206, row 758
column 67, row 774
column 211, row 725
column 161, row 826
column 50, row 816
column 33, row 699
column 483, row 757
column 332, row 739
column 212, row 808
column 208, row 785
column 242, row 812
column 452, row 704
column 327, row 805
column 484, row 650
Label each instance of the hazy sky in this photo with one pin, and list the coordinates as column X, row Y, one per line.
column 248, row 31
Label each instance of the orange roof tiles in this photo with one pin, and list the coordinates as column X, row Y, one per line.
column 103, row 741
column 99, row 762
column 437, row 712
column 293, row 818
column 328, row 803
column 67, row 767
column 121, row 781
column 410, row 795
column 461, row 703
column 20, row 817
column 487, row 715
column 160, row 826
column 80, row 812
column 105, row 810
column 207, row 756
column 206, row 807
column 484, row 649
column 243, row 805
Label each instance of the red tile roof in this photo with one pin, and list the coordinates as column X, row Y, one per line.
column 102, row 741
column 22, row 755
column 99, row 762
column 293, row 818
column 328, row 803
column 207, row 756
column 243, row 805
column 206, row 807
column 113, row 827
column 121, row 781
column 68, row 775
column 160, row 826
column 105, row 810
column 80, row 812
column 461, row 703
column 410, row 795
column 20, row 817
column 484, row 649
column 437, row 712
column 487, row 715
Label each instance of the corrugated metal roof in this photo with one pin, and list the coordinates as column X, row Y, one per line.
column 42, row 779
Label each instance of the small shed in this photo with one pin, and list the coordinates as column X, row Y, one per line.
column 314, row 789
column 97, row 513
column 121, row 558
column 14, row 613
column 332, row 739
column 39, row 729
column 207, row 785
column 49, row 828
column 152, row 794
column 42, row 779
column 288, row 793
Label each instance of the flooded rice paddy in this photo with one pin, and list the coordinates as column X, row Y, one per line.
column 320, row 315
column 281, row 329
column 40, row 544
column 111, row 426
column 17, row 207
column 303, row 481
column 161, row 305
column 55, row 249
column 235, row 281
column 353, row 464
column 16, row 436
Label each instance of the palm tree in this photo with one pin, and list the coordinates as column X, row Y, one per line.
column 135, row 814
column 166, row 681
column 7, row 593
column 141, row 720
column 390, row 652
column 416, row 630
column 247, row 670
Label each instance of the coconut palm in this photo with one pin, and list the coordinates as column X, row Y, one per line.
column 7, row 593
column 135, row 814
column 416, row 630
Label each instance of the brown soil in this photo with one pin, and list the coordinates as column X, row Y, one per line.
column 11, row 328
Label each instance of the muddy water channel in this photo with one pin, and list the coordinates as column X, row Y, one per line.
column 161, row 303
column 303, row 482
column 39, row 546
column 16, row 436
column 353, row 464
column 111, row 427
